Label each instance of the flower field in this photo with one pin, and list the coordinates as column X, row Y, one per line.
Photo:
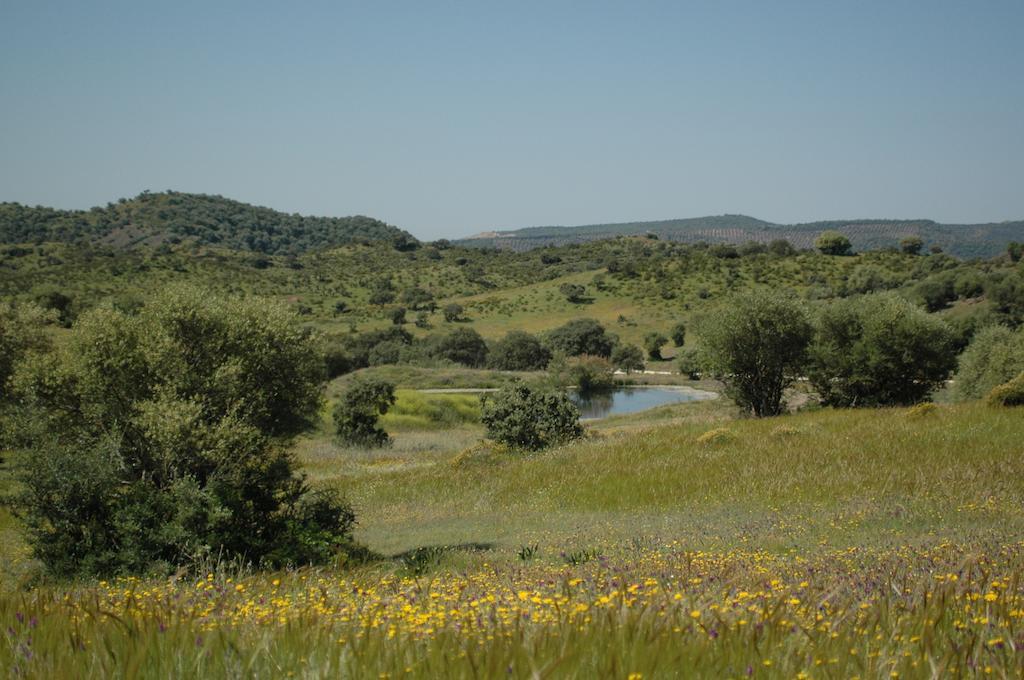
column 659, row 611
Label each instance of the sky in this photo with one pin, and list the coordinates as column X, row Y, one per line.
column 450, row 118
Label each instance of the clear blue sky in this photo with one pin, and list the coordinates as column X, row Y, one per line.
column 450, row 118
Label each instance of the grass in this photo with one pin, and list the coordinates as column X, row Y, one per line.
column 829, row 543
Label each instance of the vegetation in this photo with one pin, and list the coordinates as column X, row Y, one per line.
column 1008, row 394
column 525, row 418
column 995, row 356
column 757, row 345
column 628, row 358
column 357, row 411
column 160, row 440
column 878, row 350
column 518, row 351
column 833, row 243
column 580, row 336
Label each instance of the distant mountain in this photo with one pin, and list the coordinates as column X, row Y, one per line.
column 155, row 218
column 961, row 240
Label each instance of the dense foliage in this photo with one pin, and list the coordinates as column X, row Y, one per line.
column 518, row 351
column 522, row 417
column 160, row 439
column 153, row 218
column 757, row 345
column 995, row 356
column 580, row 336
column 878, row 350
column 357, row 411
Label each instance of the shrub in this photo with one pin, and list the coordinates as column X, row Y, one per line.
column 688, row 363
column 678, row 334
column 462, row 346
column 580, row 336
column 337, row 362
column 573, row 292
column 832, row 243
column 935, row 292
column 652, row 343
column 780, row 247
column 879, row 350
column 398, row 316
column 628, row 358
column 588, row 373
column 757, row 345
column 161, row 439
column 22, row 331
column 357, row 410
column 912, row 245
column 1008, row 394
column 518, row 351
column 417, row 299
column 717, row 436
column 523, row 418
column 453, row 312
column 995, row 356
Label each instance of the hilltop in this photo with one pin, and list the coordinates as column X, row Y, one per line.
column 152, row 219
column 961, row 240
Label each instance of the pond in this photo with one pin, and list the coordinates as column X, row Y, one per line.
column 624, row 400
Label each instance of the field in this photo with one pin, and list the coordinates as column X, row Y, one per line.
column 680, row 542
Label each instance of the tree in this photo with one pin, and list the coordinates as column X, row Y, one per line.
column 678, row 334
column 995, row 356
column 1014, row 251
column 357, row 410
column 757, row 345
column 518, row 351
column 878, row 350
column 688, row 363
column 652, row 343
column 580, row 336
column 573, row 292
column 453, row 312
column 832, row 243
column 780, row 247
column 418, row 299
column 162, row 438
column 628, row 358
column 912, row 245
column 462, row 346
column 398, row 316
column 935, row 292
column 523, row 418
column 22, row 331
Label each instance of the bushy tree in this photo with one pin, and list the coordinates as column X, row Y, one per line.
column 995, row 356
column 358, row 408
column 653, row 343
column 518, row 351
column 678, row 334
column 580, row 336
column 585, row 372
column 688, row 363
column 398, row 316
column 756, row 343
column 573, row 292
column 462, row 346
column 628, row 358
column 22, row 331
column 780, row 247
column 912, row 245
column 417, row 298
column 832, row 243
column 162, row 438
column 1010, row 393
column 935, row 292
column 879, row 350
column 524, row 418
column 453, row 312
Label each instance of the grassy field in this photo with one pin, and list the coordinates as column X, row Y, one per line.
column 678, row 542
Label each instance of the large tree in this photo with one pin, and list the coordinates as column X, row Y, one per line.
column 756, row 343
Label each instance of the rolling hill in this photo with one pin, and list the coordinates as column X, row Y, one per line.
column 151, row 219
column 961, row 240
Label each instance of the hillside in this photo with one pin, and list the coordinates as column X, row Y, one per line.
column 157, row 218
column 961, row 240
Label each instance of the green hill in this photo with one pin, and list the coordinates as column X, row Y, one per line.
column 156, row 218
column 961, row 240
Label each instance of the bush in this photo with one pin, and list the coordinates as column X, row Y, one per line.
column 398, row 316
column 22, row 331
column 678, row 334
column 587, row 373
column 757, row 346
column 653, row 343
column 935, row 292
column 1008, row 394
column 995, row 356
column 462, row 346
column 573, row 292
column 912, row 245
column 357, row 410
column 518, row 351
column 628, row 358
column 161, row 439
column 879, row 350
column 453, row 312
column 523, row 418
column 832, row 243
column 580, row 336
column 688, row 363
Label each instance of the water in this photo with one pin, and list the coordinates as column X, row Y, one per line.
column 631, row 400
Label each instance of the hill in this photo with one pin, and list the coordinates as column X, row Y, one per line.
column 961, row 240
column 156, row 218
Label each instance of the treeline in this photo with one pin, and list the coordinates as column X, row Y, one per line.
column 171, row 217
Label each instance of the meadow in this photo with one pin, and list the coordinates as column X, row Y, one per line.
column 678, row 542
